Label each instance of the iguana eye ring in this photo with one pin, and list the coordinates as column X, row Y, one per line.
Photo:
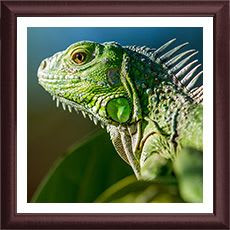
column 79, row 57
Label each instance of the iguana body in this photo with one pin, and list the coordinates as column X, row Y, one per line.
column 146, row 98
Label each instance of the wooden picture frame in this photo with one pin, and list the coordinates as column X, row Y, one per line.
column 219, row 10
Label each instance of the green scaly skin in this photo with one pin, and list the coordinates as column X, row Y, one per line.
column 151, row 120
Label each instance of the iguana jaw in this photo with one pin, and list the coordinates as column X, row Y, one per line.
column 73, row 97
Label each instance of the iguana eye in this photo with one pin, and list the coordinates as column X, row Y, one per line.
column 79, row 57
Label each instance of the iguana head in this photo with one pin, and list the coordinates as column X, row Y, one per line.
column 86, row 77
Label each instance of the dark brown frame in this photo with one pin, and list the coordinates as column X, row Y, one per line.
column 11, row 10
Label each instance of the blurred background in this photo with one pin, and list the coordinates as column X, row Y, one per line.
column 52, row 131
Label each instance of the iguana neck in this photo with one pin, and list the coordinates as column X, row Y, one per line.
column 173, row 119
column 163, row 110
column 160, row 103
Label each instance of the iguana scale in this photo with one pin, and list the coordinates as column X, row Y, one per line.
column 147, row 99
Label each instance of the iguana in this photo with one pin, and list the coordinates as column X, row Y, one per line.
column 148, row 100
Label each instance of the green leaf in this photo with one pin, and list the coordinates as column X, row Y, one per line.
column 83, row 173
column 188, row 168
column 129, row 190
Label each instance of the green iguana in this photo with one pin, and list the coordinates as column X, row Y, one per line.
column 147, row 99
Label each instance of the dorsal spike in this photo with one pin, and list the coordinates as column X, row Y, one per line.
column 177, row 57
column 196, row 91
column 181, row 63
column 142, row 50
column 191, row 93
column 198, row 95
column 193, row 81
column 199, row 100
column 185, row 69
column 163, row 47
column 189, row 76
column 167, row 55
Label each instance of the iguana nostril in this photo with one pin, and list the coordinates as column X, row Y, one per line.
column 43, row 64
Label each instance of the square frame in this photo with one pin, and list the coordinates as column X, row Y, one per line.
column 27, row 52
column 216, row 9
